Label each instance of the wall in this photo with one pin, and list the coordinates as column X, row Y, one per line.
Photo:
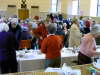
column 85, row 7
column 44, row 5
column 66, row 7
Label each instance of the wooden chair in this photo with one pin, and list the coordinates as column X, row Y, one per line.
column 25, row 44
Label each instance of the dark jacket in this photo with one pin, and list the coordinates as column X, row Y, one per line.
column 7, row 46
column 17, row 32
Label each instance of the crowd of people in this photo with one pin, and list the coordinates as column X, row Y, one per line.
column 44, row 35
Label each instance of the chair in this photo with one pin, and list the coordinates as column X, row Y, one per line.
column 25, row 44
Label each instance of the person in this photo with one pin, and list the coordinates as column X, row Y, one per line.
column 81, row 24
column 40, row 32
column 51, row 47
column 87, row 25
column 25, row 34
column 8, row 62
column 75, row 34
column 15, row 29
column 88, row 46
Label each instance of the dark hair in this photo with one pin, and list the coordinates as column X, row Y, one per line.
column 81, row 17
column 52, row 28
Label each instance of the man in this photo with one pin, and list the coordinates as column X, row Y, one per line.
column 51, row 47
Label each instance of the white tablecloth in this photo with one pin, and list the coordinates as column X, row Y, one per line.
column 33, row 61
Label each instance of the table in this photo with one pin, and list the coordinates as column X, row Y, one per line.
column 36, row 61
column 83, row 68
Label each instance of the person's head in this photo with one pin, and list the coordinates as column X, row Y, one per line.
column 4, row 27
column 93, row 22
column 24, row 29
column 36, row 17
column 64, row 24
column 81, row 17
column 75, row 21
column 95, row 30
column 41, row 23
column 52, row 28
column 14, row 22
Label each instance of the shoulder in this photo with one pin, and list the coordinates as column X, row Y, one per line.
column 74, row 26
column 86, row 39
column 10, row 34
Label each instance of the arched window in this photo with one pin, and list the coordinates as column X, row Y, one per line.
column 93, row 8
column 75, row 7
column 98, row 8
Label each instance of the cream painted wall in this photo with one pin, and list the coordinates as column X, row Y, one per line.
column 44, row 5
column 85, row 7
column 66, row 8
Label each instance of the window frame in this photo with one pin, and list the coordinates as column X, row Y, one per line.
column 52, row 6
column 78, row 6
column 98, row 5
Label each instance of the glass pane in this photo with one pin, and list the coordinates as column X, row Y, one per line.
column 98, row 2
column 98, row 11
column 54, row 6
column 75, row 7
column 54, row 1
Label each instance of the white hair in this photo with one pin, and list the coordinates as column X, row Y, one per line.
column 14, row 20
column 4, row 27
column 95, row 29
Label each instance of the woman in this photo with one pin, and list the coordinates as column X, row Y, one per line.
column 75, row 35
column 40, row 32
column 88, row 46
column 16, row 30
column 51, row 46
column 8, row 62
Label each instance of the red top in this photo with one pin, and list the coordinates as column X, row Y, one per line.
column 51, row 46
column 40, row 32
column 87, row 24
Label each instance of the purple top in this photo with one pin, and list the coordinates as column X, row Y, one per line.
column 7, row 46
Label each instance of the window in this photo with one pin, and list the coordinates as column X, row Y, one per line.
column 93, row 8
column 55, row 6
column 98, row 8
column 59, row 6
column 75, row 7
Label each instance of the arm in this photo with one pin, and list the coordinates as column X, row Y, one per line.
column 44, row 46
column 93, row 50
column 37, row 32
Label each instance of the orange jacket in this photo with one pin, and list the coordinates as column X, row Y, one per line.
column 51, row 46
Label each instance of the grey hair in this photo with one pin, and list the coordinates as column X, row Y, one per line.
column 4, row 27
column 95, row 29
column 52, row 28
column 14, row 20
